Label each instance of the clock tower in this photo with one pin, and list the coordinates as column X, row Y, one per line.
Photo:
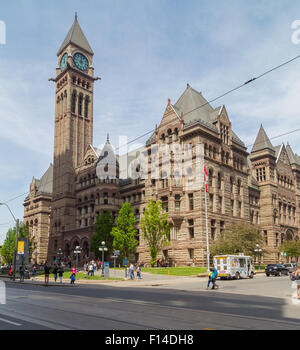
column 73, row 125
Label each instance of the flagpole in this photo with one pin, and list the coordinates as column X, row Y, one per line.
column 206, row 220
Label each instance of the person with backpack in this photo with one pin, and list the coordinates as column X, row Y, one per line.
column 211, row 279
column 138, row 272
column 216, row 274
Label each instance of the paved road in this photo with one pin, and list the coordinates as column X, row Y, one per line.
column 183, row 303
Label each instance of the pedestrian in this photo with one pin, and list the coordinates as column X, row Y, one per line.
column 74, row 271
column 33, row 272
column 216, row 275
column 211, row 279
column 55, row 270
column 138, row 272
column 297, row 280
column 47, row 272
column 60, row 273
column 11, row 271
column 22, row 272
column 73, row 279
column 91, row 269
column 131, row 271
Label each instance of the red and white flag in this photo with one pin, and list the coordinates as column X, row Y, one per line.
column 205, row 177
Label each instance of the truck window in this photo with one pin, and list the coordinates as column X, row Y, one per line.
column 242, row 262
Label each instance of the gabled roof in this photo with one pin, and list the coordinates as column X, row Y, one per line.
column 75, row 36
column 189, row 103
column 46, row 182
column 262, row 141
column 293, row 158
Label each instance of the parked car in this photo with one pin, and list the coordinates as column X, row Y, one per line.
column 291, row 266
column 276, row 270
column 4, row 270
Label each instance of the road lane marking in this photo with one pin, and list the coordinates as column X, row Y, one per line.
column 10, row 322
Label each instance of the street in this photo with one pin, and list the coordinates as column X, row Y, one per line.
column 177, row 304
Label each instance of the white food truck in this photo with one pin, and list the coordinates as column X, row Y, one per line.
column 234, row 266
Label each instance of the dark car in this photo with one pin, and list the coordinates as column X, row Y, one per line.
column 291, row 267
column 276, row 270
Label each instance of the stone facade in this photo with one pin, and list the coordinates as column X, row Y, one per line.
column 262, row 187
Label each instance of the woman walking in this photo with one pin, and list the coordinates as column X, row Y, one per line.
column 47, row 272
column 297, row 279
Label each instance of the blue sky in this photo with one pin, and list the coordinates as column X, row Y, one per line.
column 145, row 53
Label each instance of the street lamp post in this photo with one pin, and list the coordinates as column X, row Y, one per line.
column 59, row 253
column 16, row 239
column 103, row 249
column 77, row 251
column 258, row 250
column 36, row 253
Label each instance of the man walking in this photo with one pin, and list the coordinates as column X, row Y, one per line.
column 131, row 270
column 22, row 272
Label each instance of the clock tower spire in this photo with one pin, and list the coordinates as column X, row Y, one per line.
column 73, row 126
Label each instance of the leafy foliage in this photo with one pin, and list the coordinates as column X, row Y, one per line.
column 291, row 248
column 156, row 229
column 8, row 248
column 124, row 233
column 238, row 238
column 103, row 226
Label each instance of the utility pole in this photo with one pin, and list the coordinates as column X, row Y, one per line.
column 16, row 248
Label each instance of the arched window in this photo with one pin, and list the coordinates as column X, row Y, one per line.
column 73, row 102
column 170, row 135
column 86, row 107
column 176, row 134
column 210, row 177
column 80, row 100
column 238, row 186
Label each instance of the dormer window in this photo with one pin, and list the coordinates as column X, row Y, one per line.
column 224, row 131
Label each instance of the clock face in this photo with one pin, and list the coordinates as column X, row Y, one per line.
column 63, row 62
column 81, row 61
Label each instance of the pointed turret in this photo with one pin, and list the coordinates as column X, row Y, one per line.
column 76, row 37
column 262, row 142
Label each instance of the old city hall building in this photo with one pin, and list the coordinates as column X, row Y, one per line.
column 261, row 187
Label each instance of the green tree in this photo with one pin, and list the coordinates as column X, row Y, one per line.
column 291, row 248
column 125, row 232
column 8, row 248
column 156, row 229
column 238, row 238
column 103, row 226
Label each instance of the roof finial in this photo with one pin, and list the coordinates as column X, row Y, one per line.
column 76, row 16
column 107, row 137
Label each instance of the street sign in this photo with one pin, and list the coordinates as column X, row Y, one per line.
column 117, row 252
column 125, row 262
column 106, row 264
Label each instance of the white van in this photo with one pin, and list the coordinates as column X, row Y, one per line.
column 234, row 266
